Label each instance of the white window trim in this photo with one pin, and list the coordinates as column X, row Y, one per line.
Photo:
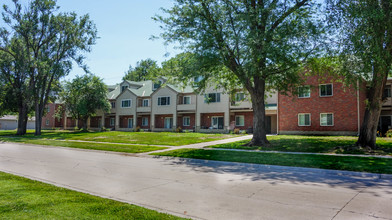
column 159, row 104
column 333, row 119
column 111, row 104
column 183, row 121
column 323, row 85
column 238, row 116
column 47, row 122
column 190, row 100
column 216, row 97
column 148, row 103
column 130, row 123
column 130, row 103
column 143, row 121
column 305, row 97
column 310, row 119
column 112, row 120
column 212, row 120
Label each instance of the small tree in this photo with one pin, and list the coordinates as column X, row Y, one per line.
column 84, row 96
column 144, row 70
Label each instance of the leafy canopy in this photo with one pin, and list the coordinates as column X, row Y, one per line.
column 84, row 96
column 145, row 70
column 245, row 41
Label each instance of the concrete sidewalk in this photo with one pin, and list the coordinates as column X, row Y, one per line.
column 202, row 145
column 203, row 189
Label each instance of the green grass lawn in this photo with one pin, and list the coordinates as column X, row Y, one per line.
column 21, row 198
column 148, row 138
column 351, row 163
column 128, row 148
column 314, row 144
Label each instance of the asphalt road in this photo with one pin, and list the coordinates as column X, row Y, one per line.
column 206, row 189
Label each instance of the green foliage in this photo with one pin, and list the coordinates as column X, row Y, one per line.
column 145, row 70
column 50, row 41
column 84, row 96
column 240, row 42
column 389, row 133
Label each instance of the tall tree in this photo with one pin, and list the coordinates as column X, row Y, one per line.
column 365, row 46
column 262, row 45
column 15, row 79
column 84, row 96
column 53, row 40
column 146, row 69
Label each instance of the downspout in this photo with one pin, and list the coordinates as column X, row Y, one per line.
column 358, row 110
column 277, row 113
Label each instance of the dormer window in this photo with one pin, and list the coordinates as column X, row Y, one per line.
column 123, row 88
column 157, row 85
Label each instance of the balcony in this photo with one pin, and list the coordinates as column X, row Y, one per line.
column 186, row 107
column 143, row 109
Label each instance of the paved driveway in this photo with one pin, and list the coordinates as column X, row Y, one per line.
column 205, row 189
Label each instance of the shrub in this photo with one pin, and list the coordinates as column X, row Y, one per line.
column 236, row 131
column 104, row 129
column 243, row 132
column 137, row 129
column 389, row 133
column 179, row 130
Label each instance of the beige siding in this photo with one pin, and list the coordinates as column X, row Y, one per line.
column 164, row 110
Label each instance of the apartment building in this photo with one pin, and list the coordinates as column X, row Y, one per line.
column 323, row 106
column 150, row 106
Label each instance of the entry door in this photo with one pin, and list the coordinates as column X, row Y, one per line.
column 168, row 123
column 130, row 122
column 268, row 124
column 217, row 122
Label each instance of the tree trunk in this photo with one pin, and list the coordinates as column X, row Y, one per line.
column 22, row 120
column 38, row 119
column 85, row 120
column 368, row 131
column 258, row 104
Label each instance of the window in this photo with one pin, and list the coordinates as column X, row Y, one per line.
column 212, row 97
column 112, row 121
column 48, row 109
column 186, row 121
column 239, row 120
column 145, row 103
column 157, row 85
column 387, row 92
column 113, row 104
column 326, row 119
column 47, row 122
column 144, row 121
column 239, row 97
column 127, row 103
column 304, row 92
column 304, row 119
column 123, row 88
column 163, row 100
column 326, row 90
column 187, row 100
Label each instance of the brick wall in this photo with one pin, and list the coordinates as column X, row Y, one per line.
column 180, row 122
column 124, row 121
column 343, row 105
column 160, row 120
column 53, row 122
column 248, row 120
column 139, row 122
column 206, row 119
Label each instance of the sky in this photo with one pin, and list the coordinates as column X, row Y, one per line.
column 124, row 30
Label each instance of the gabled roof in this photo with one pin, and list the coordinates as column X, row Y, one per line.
column 114, row 93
